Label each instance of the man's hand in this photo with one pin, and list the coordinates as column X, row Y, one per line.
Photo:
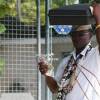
column 43, row 67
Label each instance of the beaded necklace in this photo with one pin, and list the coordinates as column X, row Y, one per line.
column 68, row 72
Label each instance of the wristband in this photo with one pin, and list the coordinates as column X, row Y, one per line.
column 97, row 27
column 49, row 73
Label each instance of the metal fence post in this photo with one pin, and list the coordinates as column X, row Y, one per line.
column 38, row 45
column 48, row 42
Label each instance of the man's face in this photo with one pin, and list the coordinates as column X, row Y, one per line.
column 80, row 38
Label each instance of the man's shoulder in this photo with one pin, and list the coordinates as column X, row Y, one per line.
column 66, row 54
column 66, row 57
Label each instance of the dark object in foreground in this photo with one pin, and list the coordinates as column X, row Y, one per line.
column 76, row 14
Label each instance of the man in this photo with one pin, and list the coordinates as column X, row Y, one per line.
column 78, row 75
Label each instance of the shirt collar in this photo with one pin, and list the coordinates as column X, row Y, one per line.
column 83, row 53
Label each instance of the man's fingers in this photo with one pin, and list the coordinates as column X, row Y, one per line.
column 43, row 67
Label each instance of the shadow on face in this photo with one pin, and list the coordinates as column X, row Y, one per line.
column 81, row 38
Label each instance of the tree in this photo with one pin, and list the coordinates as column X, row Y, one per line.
column 4, row 8
column 26, row 11
column 63, row 2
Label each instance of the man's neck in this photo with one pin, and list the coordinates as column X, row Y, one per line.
column 78, row 51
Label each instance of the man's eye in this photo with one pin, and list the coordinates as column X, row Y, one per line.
column 81, row 34
column 77, row 34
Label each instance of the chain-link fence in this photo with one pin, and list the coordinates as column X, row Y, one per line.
column 18, row 69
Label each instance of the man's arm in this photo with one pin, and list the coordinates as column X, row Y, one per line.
column 96, row 13
column 51, row 83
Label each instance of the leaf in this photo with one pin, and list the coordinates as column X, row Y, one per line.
column 2, row 64
column 2, row 2
column 2, row 28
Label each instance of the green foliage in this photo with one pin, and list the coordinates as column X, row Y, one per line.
column 59, row 2
column 2, row 28
column 62, row 2
column 28, row 8
column 4, row 8
column 12, row 8
column 42, row 10
column 2, row 64
column 1, row 2
column 28, row 11
column 71, row 1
